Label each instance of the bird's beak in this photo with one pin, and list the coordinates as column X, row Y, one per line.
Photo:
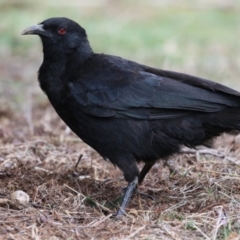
column 36, row 29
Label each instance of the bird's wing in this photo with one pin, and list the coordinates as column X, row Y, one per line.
column 145, row 95
column 192, row 80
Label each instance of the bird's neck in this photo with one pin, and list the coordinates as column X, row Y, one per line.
column 81, row 54
column 51, row 71
column 57, row 66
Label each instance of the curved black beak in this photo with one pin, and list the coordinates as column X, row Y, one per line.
column 36, row 29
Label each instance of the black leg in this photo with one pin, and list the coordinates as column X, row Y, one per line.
column 145, row 170
column 79, row 159
column 127, row 195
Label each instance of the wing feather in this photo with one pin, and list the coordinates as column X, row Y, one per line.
column 149, row 94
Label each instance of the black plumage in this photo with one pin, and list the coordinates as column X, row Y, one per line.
column 126, row 111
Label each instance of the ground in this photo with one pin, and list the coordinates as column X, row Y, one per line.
column 195, row 196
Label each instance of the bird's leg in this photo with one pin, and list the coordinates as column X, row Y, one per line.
column 142, row 175
column 127, row 195
column 145, row 170
column 79, row 159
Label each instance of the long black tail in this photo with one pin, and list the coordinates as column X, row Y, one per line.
column 228, row 119
column 199, row 128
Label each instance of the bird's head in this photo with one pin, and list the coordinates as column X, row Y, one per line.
column 60, row 34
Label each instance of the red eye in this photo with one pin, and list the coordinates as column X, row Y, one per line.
column 62, row 31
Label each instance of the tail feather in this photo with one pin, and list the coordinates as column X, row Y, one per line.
column 200, row 130
column 228, row 119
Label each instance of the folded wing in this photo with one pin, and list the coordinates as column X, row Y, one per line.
column 151, row 94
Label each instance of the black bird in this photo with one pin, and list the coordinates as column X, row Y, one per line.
column 126, row 111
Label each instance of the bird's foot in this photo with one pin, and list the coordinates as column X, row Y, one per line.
column 127, row 196
column 142, row 194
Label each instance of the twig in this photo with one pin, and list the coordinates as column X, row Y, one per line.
column 227, row 174
column 176, row 206
column 135, row 232
column 209, row 152
column 95, row 224
column 211, row 206
column 79, row 159
column 28, row 111
column 199, row 230
column 42, row 169
column 4, row 201
column 169, row 231
column 98, row 204
column 218, row 225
